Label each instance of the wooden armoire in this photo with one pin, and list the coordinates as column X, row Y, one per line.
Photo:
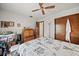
column 60, row 28
column 28, row 34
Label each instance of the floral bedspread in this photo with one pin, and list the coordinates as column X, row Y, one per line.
column 47, row 47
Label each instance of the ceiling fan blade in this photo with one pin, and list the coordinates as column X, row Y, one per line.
column 43, row 11
column 35, row 10
column 40, row 4
column 49, row 7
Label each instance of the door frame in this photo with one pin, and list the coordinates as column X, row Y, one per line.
column 38, row 25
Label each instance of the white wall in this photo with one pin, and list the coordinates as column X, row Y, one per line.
column 46, row 25
column 52, row 17
column 67, row 12
column 28, row 22
column 16, row 18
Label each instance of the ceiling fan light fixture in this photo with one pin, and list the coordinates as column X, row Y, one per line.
column 42, row 8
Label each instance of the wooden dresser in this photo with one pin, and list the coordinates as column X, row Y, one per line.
column 28, row 34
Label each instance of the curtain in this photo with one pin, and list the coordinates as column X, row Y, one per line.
column 68, row 30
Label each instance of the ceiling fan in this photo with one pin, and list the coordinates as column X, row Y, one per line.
column 42, row 8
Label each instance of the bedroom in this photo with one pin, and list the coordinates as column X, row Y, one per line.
column 23, row 30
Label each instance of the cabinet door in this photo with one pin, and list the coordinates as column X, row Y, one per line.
column 74, row 20
column 60, row 28
column 31, row 32
column 26, row 33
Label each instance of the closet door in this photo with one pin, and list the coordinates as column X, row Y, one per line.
column 60, row 28
column 74, row 20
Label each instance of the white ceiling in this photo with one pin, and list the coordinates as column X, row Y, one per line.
column 26, row 8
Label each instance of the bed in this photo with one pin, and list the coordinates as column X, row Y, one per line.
column 45, row 47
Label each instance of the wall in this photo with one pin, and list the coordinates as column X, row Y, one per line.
column 52, row 17
column 16, row 18
column 28, row 22
column 48, row 20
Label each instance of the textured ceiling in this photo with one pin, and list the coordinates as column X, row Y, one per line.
column 26, row 8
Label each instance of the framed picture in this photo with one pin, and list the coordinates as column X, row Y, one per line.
column 4, row 24
column 18, row 25
column 11, row 24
